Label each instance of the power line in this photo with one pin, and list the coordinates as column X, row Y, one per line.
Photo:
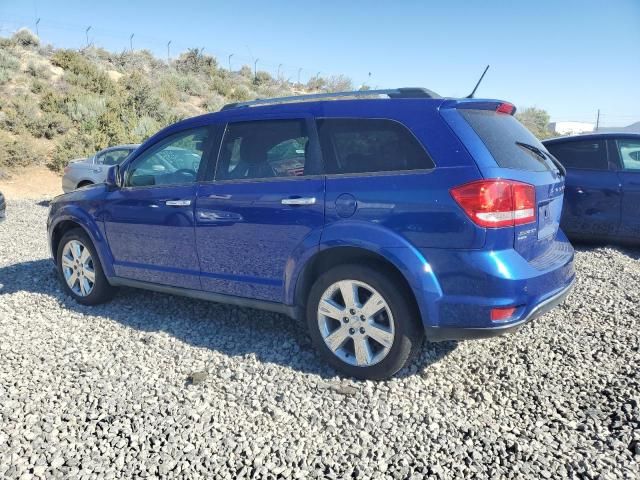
column 150, row 42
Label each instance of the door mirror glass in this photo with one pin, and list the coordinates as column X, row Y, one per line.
column 113, row 177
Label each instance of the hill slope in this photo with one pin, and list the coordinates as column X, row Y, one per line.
column 58, row 104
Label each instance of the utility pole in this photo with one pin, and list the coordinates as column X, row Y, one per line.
column 86, row 32
column 299, row 70
column 255, row 69
column 37, row 33
column 168, row 52
column 598, row 120
column 131, row 41
column 230, row 55
column 279, row 67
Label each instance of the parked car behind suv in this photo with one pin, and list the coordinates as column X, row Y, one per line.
column 88, row 171
column 602, row 197
column 376, row 220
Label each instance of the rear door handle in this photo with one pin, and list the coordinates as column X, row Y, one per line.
column 299, row 201
column 178, row 203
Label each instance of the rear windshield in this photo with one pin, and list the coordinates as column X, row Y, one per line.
column 501, row 133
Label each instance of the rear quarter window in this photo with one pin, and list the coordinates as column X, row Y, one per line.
column 369, row 145
column 501, row 133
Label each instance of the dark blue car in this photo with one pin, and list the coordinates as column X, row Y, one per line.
column 602, row 191
column 375, row 218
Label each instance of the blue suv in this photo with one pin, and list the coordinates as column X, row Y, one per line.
column 378, row 218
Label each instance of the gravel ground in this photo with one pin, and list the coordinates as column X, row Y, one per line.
column 153, row 384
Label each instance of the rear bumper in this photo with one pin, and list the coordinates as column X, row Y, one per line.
column 437, row 334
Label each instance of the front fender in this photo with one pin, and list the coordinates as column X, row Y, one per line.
column 378, row 240
column 93, row 227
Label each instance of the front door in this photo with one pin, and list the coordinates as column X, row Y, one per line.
column 265, row 202
column 149, row 222
column 629, row 151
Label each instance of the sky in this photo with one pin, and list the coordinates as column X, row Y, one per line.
column 568, row 57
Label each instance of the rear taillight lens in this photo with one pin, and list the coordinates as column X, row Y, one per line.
column 66, row 169
column 497, row 203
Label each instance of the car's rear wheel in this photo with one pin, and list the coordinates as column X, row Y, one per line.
column 86, row 183
column 80, row 270
column 362, row 323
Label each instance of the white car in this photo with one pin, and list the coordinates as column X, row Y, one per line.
column 87, row 171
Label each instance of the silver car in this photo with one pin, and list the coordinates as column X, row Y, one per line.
column 87, row 171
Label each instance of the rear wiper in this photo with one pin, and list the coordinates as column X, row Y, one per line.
column 544, row 156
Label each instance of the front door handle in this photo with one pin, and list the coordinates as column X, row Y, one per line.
column 178, row 203
column 299, row 201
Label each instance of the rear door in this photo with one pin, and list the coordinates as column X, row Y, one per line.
column 508, row 150
column 265, row 202
column 592, row 193
column 628, row 150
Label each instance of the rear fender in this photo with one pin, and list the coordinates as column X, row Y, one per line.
column 378, row 240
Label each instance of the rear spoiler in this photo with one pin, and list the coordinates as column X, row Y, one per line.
column 499, row 106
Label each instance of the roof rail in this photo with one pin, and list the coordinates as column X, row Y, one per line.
column 390, row 93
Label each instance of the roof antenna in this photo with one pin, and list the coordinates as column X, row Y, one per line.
column 478, row 84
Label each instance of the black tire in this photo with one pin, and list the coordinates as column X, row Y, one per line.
column 86, row 183
column 102, row 291
column 409, row 334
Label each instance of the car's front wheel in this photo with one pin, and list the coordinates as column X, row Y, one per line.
column 80, row 270
column 362, row 323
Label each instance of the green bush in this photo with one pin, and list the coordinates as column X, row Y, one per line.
column 25, row 38
column 9, row 64
column 214, row 103
column 19, row 151
column 84, row 107
column 195, row 61
column 69, row 148
column 38, row 71
column 79, row 71
column 262, row 78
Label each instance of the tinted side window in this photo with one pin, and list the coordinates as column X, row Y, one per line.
column 587, row 154
column 263, row 149
column 630, row 153
column 173, row 161
column 369, row 145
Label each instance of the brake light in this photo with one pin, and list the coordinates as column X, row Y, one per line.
column 507, row 108
column 66, row 169
column 502, row 313
column 497, row 203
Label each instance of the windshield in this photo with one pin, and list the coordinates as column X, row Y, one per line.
column 506, row 137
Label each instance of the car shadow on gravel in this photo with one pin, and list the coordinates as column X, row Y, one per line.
column 230, row 330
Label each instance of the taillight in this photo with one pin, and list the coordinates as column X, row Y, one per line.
column 66, row 169
column 497, row 203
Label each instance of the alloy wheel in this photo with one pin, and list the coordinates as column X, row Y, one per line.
column 78, row 268
column 356, row 323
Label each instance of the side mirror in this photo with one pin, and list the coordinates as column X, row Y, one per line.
column 114, row 179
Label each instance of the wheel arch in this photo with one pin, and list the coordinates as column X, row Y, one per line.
column 68, row 221
column 84, row 182
column 405, row 263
